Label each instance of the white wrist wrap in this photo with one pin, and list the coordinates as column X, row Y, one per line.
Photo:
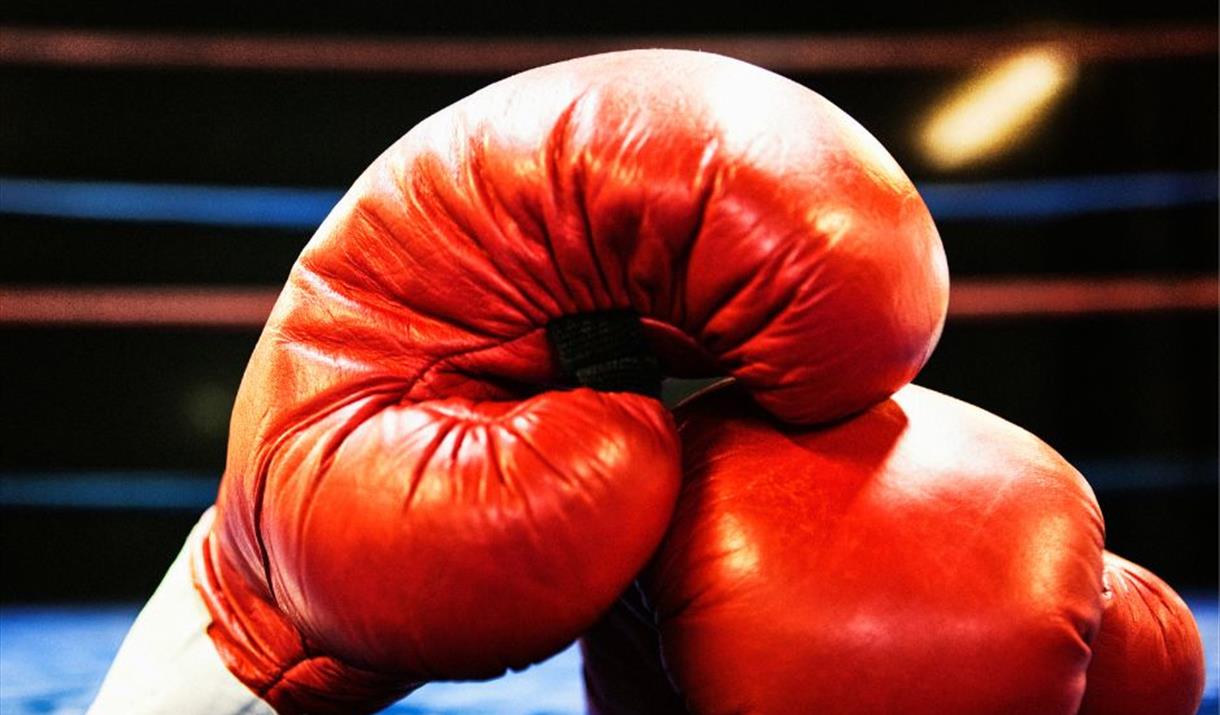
column 167, row 663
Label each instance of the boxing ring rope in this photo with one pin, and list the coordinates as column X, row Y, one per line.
column 193, row 491
column 248, row 307
column 453, row 56
column 292, row 208
column 304, row 208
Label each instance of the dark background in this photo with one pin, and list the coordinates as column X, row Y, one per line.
column 1131, row 398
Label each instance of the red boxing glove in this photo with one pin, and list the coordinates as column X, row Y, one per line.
column 1148, row 656
column 923, row 557
column 403, row 500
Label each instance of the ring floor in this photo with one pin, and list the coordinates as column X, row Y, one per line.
column 53, row 658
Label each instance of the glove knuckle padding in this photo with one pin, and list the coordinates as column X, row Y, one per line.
column 1148, row 656
column 550, row 485
column 388, row 528
column 379, row 487
column 727, row 205
column 924, row 556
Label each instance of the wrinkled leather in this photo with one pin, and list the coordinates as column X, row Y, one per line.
column 452, row 539
column 403, row 498
column 1148, row 655
column 922, row 557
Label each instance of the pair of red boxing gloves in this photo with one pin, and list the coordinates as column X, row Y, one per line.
column 447, row 456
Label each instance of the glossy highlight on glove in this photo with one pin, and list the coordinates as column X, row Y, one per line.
column 412, row 491
column 922, row 557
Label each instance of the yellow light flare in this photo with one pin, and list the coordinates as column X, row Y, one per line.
column 993, row 110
